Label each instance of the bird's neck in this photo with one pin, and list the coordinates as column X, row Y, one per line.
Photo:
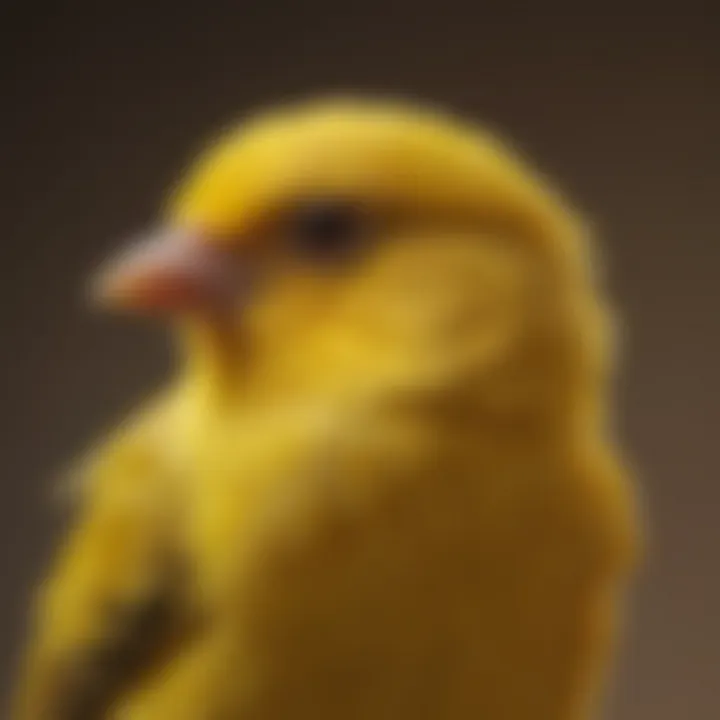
column 212, row 358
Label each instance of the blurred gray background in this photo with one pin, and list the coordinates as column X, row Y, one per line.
column 103, row 105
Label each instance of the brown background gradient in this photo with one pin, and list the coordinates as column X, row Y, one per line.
column 103, row 107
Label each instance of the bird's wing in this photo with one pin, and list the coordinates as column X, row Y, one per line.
column 111, row 605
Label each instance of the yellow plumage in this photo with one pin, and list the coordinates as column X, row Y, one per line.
column 379, row 486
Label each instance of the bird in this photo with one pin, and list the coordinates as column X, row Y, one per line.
column 383, row 477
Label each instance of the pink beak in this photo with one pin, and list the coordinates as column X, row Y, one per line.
column 170, row 272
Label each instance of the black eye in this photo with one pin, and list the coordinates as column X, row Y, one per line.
column 327, row 229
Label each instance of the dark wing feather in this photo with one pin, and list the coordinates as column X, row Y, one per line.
column 115, row 603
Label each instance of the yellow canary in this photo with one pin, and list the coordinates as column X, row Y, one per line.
column 383, row 482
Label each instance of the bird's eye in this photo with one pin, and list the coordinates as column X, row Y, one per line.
column 327, row 229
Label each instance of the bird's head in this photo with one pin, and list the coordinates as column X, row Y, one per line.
column 346, row 240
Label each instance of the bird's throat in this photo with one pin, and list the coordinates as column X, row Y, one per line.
column 214, row 356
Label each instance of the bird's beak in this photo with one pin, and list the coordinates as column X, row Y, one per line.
column 171, row 272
